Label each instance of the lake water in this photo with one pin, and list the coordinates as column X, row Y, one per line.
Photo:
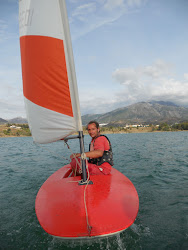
column 156, row 163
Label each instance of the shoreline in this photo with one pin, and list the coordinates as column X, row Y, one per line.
column 23, row 130
column 104, row 132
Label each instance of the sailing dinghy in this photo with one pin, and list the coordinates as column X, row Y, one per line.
column 66, row 206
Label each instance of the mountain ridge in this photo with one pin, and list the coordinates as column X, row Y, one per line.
column 153, row 112
column 16, row 120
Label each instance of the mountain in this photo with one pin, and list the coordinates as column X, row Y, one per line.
column 2, row 121
column 18, row 120
column 164, row 103
column 88, row 118
column 153, row 112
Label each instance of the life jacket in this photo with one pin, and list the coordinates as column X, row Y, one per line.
column 107, row 156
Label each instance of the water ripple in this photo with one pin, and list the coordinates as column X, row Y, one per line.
column 156, row 163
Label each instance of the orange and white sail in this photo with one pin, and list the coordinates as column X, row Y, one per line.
column 48, row 72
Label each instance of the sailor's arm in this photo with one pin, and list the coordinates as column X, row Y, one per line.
column 91, row 154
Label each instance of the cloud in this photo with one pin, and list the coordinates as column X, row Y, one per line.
column 12, row 110
column 11, row 96
column 153, row 82
column 113, row 4
column 135, row 3
column 97, row 105
column 96, row 13
column 127, row 76
column 3, row 30
column 7, row 35
column 186, row 76
column 82, row 11
column 144, row 83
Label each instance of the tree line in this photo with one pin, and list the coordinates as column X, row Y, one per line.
column 20, row 130
column 25, row 131
column 179, row 126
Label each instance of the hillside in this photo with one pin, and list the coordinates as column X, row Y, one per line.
column 2, row 121
column 153, row 112
column 18, row 120
column 142, row 113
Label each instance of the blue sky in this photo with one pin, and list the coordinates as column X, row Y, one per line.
column 125, row 51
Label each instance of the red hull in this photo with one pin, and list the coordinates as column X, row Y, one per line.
column 112, row 204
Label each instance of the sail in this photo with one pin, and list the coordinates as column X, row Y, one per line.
column 48, row 72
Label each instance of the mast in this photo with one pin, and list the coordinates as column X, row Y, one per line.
column 73, row 87
column 84, row 172
column 70, row 65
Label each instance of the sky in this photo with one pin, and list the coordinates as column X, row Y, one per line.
column 125, row 51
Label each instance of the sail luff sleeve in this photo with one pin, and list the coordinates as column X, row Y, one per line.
column 71, row 65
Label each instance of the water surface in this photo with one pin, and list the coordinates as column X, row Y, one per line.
column 156, row 163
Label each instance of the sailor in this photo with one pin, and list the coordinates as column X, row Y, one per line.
column 100, row 153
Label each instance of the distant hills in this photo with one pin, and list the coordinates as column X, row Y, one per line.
column 154, row 112
column 17, row 120
column 2, row 121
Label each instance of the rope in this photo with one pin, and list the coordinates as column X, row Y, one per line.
column 83, row 157
column 65, row 142
column 89, row 227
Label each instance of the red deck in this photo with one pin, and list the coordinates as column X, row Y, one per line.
column 112, row 204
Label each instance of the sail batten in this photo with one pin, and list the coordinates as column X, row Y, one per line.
column 48, row 72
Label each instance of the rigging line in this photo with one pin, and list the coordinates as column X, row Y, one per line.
column 83, row 156
column 65, row 142
column 51, row 152
column 89, row 227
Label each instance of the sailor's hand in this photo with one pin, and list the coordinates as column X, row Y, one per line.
column 75, row 155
